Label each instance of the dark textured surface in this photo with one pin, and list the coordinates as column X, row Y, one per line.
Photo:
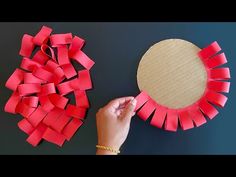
column 117, row 48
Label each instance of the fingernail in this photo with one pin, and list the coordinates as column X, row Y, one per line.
column 133, row 101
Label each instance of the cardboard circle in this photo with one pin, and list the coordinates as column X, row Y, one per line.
column 172, row 73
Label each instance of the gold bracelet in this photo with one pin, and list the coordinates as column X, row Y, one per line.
column 108, row 149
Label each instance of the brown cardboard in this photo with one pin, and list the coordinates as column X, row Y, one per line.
column 172, row 73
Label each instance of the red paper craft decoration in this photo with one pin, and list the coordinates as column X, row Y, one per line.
column 40, row 85
column 195, row 114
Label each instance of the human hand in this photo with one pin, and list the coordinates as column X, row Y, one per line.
column 113, row 123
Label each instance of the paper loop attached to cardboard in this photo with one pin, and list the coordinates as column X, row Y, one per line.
column 204, row 81
column 42, row 82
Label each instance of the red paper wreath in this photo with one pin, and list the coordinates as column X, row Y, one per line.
column 40, row 86
column 193, row 115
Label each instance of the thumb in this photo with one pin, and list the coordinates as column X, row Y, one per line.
column 129, row 110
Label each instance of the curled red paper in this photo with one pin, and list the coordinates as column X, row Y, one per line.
column 39, row 89
column 197, row 113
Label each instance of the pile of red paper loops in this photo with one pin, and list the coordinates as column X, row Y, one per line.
column 42, row 82
column 192, row 115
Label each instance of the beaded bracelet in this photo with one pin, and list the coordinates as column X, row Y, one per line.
column 108, row 149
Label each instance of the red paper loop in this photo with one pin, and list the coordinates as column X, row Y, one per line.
column 37, row 116
column 83, row 82
column 27, row 46
column 54, row 137
column 27, row 89
column 148, row 108
column 197, row 117
column 25, row 126
column 141, row 99
column 65, row 88
column 216, row 61
column 40, row 57
column 42, row 36
column 219, row 86
column 209, row 51
column 216, row 98
column 81, row 99
column 76, row 45
column 220, row 73
column 62, row 54
column 43, row 74
column 83, row 59
column 29, row 78
column 185, row 120
column 46, row 103
column 44, row 47
column 59, row 39
column 75, row 111
column 209, row 110
column 159, row 116
column 47, row 89
column 29, row 65
column 58, row 100
column 15, row 79
column 71, row 128
column 69, row 70
column 31, row 101
column 24, row 109
column 12, row 102
column 60, row 123
column 36, row 136
column 52, row 116
column 171, row 123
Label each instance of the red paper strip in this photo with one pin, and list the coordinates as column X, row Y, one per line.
column 12, row 102
column 15, row 79
column 29, row 65
column 36, row 136
column 47, row 89
column 46, row 103
column 24, row 109
column 159, row 116
column 60, row 123
column 54, row 137
column 148, row 108
column 25, row 126
column 208, row 109
column 59, row 39
column 83, row 82
column 185, row 120
column 69, row 70
column 220, row 73
column 40, row 57
column 31, row 101
column 197, row 117
column 71, row 128
column 217, row 61
column 44, row 47
column 141, row 99
column 42, row 36
column 171, row 123
column 76, row 45
column 209, row 51
column 83, row 59
column 63, row 57
column 58, row 100
column 29, row 78
column 75, row 111
column 216, row 98
column 81, row 99
column 43, row 74
column 52, row 116
column 65, row 88
column 27, row 89
column 37, row 116
column 219, row 86
column 27, row 46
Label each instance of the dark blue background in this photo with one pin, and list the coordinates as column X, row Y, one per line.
column 117, row 48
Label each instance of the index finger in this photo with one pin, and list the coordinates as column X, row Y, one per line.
column 116, row 103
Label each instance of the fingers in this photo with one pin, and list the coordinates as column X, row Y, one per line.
column 118, row 102
column 129, row 110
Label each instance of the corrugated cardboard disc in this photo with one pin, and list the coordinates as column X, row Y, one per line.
column 172, row 73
